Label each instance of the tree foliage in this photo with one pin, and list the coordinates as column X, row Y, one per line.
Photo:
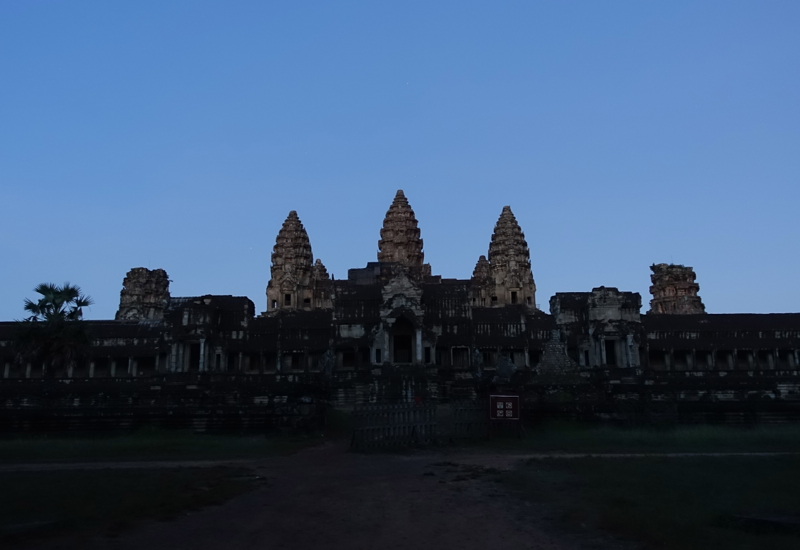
column 54, row 336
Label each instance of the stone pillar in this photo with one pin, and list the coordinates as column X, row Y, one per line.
column 181, row 350
column 239, row 366
column 668, row 359
column 628, row 348
column 187, row 356
column 173, row 357
column 201, row 366
column 419, row 346
column 113, row 368
column 28, row 370
column 796, row 358
column 772, row 359
column 6, row 369
column 91, row 369
column 603, row 351
column 130, row 366
column 387, row 356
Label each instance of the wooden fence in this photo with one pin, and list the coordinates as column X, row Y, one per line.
column 469, row 419
column 393, row 425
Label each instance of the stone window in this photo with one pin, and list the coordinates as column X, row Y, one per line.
column 378, row 356
column 307, row 302
column 494, row 300
column 513, row 297
column 274, row 304
column 287, row 299
column 427, row 354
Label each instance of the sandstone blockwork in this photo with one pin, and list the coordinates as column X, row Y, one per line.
column 296, row 281
column 506, row 277
column 144, row 295
column 400, row 240
column 674, row 290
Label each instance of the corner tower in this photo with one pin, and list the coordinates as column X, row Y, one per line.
column 506, row 277
column 296, row 281
column 674, row 290
column 144, row 295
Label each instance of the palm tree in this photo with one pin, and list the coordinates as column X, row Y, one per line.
column 53, row 335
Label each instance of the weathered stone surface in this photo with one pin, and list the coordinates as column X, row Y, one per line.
column 400, row 240
column 144, row 295
column 319, row 271
column 482, row 274
column 556, row 366
column 674, row 290
column 506, row 277
column 295, row 276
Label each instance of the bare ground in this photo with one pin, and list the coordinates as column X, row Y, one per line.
column 328, row 498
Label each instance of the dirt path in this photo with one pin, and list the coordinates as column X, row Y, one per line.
column 494, row 460
column 327, row 498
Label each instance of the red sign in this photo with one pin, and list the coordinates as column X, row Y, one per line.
column 504, row 407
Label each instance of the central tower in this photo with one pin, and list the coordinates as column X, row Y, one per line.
column 400, row 237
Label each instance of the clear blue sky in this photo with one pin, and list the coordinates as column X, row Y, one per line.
column 180, row 134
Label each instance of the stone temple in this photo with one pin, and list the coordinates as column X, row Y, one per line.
column 395, row 313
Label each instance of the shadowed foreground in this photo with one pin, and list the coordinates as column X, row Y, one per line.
column 326, row 498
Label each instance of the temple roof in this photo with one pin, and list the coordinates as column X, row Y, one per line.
column 400, row 237
column 508, row 242
column 292, row 246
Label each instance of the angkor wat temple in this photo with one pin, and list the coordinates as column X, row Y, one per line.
column 395, row 314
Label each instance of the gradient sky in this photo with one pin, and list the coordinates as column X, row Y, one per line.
column 180, row 134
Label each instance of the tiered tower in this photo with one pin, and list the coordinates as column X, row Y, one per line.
column 144, row 295
column 400, row 240
column 506, row 277
column 296, row 281
column 674, row 290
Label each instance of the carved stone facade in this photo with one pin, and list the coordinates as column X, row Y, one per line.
column 601, row 327
column 394, row 315
column 297, row 282
column 674, row 290
column 144, row 295
column 400, row 240
column 506, row 277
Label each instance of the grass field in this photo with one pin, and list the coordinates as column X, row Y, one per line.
column 39, row 504
column 672, row 503
column 573, row 437
column 148, row 444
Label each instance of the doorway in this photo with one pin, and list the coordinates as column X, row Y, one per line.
column 403, row 341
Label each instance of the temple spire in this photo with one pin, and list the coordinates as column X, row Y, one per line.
column 508, row 246
column 400, row 237
column 295, row 279
column 292, row 249
column 506, row 277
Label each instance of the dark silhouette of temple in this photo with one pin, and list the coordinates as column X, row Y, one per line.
column 395, row 314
